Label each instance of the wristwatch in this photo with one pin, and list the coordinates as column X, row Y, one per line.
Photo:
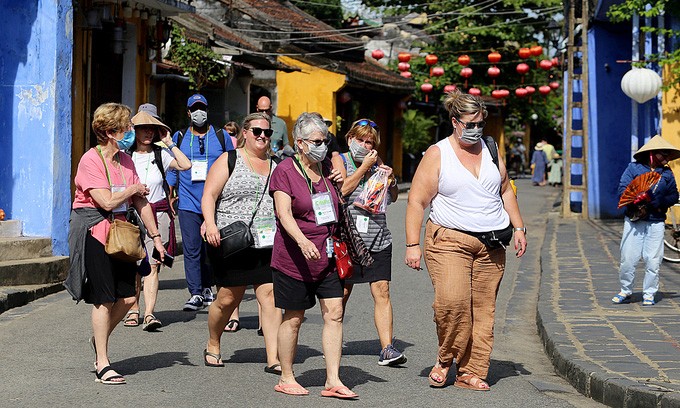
column 523, row 229
column 171, row 146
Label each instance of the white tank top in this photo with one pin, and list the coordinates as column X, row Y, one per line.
column 464, row 202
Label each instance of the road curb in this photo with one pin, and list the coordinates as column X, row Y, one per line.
column 587, row 378
column 12, row 296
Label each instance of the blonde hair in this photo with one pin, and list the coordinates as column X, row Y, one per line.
column 110, row 117
column 240, row 140
column 459, row 104
column 364, row 131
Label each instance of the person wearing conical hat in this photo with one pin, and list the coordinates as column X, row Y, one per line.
column 643, row 228
column 152, row 164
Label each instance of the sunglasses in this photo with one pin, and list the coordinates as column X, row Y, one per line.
column 258, row 131
column 472, row 125
column 364, row 122
column 264, row 110
column 318, row 142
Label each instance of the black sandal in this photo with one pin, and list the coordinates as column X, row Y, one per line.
column 108, row 381
column 217, row 357
column 273, row 369
column 233, row 326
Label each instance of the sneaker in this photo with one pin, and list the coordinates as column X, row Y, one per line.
column 208, row 297
column 194, row 303
column 390, row 356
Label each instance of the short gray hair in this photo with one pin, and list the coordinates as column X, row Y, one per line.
column 308, row 123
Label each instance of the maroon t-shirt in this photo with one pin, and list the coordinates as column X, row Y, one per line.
column 287, row 256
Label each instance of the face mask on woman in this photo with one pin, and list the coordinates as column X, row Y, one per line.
column 127, row 140
column 471, row 136
column 316, row 153
column 358, row 151
column 199, row 117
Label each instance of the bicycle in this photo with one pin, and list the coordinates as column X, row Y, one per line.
column 671, row 237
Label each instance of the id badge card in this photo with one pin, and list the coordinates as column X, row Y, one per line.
column 199, row 170
column 362, row 224
column 324, row 211
column 123, row 207
column 265, row 229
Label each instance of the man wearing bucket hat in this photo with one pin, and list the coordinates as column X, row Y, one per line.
column 152, row 164
column 643, row 228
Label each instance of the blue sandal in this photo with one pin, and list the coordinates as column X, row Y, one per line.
column 648, row 302
column 621, row 298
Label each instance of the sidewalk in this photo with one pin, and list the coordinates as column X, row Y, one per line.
column 621, row 355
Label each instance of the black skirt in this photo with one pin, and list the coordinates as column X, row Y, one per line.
column 380, row 269
column 251, row 266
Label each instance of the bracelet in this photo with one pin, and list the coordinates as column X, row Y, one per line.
column 523, row 229
column 412, row 245
column 171, row 146
column 156, row 235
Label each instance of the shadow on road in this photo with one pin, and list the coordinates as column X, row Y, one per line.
column 151, row 362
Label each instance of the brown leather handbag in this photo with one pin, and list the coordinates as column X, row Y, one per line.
column 123, row 242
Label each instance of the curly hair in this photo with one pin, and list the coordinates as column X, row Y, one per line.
column 459, row 104
column 110, row 117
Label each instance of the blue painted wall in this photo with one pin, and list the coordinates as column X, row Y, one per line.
column 610, row 117
column 35, row 116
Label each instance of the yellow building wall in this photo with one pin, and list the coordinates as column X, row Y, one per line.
column 310, row 90
column 670, row 125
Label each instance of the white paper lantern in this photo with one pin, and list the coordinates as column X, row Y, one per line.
column 641, row 84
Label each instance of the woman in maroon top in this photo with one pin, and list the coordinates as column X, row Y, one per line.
column 307, row 209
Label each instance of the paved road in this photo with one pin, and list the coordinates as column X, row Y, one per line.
column 45, row 358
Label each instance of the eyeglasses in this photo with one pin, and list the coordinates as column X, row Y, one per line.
column 258, row 131
column 318, row 142
column 472, row 125
column 264, row 110
column 364, row 122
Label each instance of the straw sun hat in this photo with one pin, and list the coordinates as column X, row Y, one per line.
column 144, row 118
column 658, row 143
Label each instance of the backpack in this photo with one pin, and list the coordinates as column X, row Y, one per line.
column 158, row 160
column 493, row 151
column 219, row 134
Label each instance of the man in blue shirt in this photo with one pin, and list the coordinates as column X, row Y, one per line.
column 202, row 144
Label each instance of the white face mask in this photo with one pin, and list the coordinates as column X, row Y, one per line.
column 358, row 151
column 316, row 153
column 199, row 117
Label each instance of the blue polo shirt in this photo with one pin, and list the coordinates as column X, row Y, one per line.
column 191, row 192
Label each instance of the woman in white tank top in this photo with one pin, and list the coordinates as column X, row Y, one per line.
column 471, row 203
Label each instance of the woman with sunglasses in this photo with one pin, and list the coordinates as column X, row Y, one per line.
column 471, row 201
column 228, row 197
column 361, row 162
column 307, row 208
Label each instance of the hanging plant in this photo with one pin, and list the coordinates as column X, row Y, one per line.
column 197, row 62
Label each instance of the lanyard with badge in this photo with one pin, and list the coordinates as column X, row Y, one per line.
column 265, row 226
column 199, row 167
column 362, row 220
column 322, row 204
column 117, row 188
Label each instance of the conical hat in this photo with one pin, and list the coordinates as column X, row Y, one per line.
column 658, row 143
column 144, row 118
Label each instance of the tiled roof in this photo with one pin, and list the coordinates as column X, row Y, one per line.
column 371, row 74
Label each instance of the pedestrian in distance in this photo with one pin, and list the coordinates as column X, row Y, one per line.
column 202, row 144
column 152, row 163
column 644, row 221
column 473, row 214
column 106, row 184
column 307, row 208
column 234, row 131
column 239, row 192
column 280, row 137
column 539, row 162
column 360, row 163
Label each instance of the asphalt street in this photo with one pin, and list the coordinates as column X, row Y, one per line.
column 45, row 359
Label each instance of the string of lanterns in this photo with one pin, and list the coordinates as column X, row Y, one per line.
column 493, row 72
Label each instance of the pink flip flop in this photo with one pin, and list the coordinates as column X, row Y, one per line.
column 291, row 389
column 335, row 393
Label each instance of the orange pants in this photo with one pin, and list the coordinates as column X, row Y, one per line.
column 465, row 276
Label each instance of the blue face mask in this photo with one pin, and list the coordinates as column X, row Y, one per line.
column 127, row 140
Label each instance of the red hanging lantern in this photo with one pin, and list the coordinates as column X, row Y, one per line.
column 405, row 74
column 474, row 91
column 536, row 50
column 554, row 85
column 497, row 94
column 466, row 73
column 505, row 93
column 544, row 90
column 545, row 64
column 524, row 53
column 431, row 59
column 464, row 60
column 437, row 71
column 494, row 57
column 521, row 92
column 377, row 54
column 522, row 68
column 493, row 72
column 555, row 62
column 404, row 66
column 530, row 89
column 449, row 88
column 426, row 88
column 404, row 57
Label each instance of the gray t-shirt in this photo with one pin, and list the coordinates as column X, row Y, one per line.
column 280, row 131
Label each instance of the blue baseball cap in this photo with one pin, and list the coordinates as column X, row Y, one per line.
column 195, row 99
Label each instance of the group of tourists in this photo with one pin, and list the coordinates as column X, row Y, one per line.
column 292, row 209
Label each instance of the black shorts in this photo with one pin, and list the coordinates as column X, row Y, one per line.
column 248, row 267
column 107, row 279
column 292, row 294
column 380, row 269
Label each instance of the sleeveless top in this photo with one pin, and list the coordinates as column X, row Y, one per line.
column 240, row 196
column 464, row 202
column 378, row 236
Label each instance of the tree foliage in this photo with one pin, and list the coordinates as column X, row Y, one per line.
column 198, row 62
column 328, row 11
column 417, row 133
